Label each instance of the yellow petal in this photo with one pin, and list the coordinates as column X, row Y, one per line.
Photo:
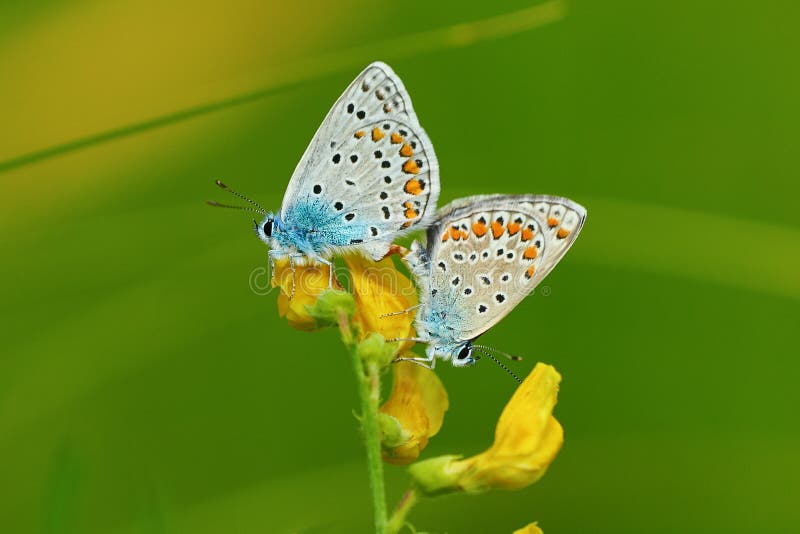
column 309, row 282
column 418, row 402
column 527, row 437
column 379, row 289
column 527, row 440
column 533, row 528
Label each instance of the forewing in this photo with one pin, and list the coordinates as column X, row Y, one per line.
column 487, row 253
column 370, row 158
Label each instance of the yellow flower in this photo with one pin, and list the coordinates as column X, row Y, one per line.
column 527, row 440
column 379, row 289
column 533, row 528
column 413, row 414
column 309, row 282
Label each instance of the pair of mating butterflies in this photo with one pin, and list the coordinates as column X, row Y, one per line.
column 370, row 176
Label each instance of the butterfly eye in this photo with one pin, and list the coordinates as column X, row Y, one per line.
column 464, row 353
column 268, row 228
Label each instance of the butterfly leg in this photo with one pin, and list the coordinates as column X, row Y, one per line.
column 271, row 258
column 294, row 273
column 428, row 363
column 414, row 339
column 330, row 270
column 272, row 254
column 401, row 312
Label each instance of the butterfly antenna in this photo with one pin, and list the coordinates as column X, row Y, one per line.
column 220, row 205
column 511, row 357
column 231, row 191
column 498, row 362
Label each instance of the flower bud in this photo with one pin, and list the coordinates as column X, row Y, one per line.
column 329, row 305
column 374, row 349
column 438, row 475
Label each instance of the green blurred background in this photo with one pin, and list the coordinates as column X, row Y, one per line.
column 145, row 389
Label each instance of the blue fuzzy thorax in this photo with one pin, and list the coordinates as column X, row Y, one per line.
column 443, row 320
column 314, row 229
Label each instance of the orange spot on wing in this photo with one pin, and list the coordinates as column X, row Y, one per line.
column 411, row 213
column 406, row 151
column 360, row 134
column 562, row 233
column 413, row 187
column 396, row 138
column 530, row 271
column 377, row 134
column 445, row 237
column 530, row 253
column 497, row 229
column 513, row 228
column 527, row 234
column 406, row 224
column 464, row 235
column 479, row 229
column 410, row 167
column 552, row 222
column 455, row 233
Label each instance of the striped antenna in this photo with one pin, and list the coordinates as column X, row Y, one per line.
column 220, row 205
column 231, row 191
column 500, row 352
column 498, row 362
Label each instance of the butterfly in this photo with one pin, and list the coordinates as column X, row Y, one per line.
column 483, row 255
column 368, row 176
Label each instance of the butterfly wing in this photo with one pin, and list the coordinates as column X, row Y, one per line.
column 486, row 253
column 370, row 167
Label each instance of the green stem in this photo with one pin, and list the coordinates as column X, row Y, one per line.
column 369, row 392
column 370, row 402
column 398, row 518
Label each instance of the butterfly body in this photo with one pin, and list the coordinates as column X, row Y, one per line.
column 439, row 323
column 483, row 255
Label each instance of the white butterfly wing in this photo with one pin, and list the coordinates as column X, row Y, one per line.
column 486, row 253
column 371, row 163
